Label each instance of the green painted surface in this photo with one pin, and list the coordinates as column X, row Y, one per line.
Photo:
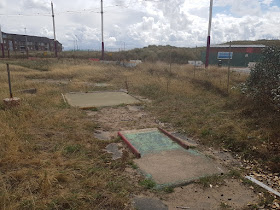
column 151, row 142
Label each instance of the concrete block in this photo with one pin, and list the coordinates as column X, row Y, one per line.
column 11, row 102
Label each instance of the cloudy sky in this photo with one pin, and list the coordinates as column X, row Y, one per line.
column 138, row 23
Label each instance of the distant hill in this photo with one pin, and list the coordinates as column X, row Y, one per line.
column 179, row 55
column 166, row 53
column 262, row 41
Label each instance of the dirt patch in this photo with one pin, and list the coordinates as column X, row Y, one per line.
column 114, row 119
column 232, row 194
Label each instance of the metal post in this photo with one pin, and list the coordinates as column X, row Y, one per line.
column 2, row 43
column 9, row 80
column 26, row 46
column 228, row 67
column 195, row 62
column 208, row 37
column 54, row 35
column 102, row 33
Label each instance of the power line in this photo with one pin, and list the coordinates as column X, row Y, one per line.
column 91, row 10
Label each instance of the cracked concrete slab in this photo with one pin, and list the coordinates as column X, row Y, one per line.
column 176, row 167
column 99, row 99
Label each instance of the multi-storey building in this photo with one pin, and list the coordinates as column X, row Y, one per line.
column 17, row 42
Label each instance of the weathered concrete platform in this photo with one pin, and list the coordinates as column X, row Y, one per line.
column 166, row 162
column 99, row 99
column 177, row 167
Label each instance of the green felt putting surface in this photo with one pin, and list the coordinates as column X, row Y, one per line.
column 151, row 142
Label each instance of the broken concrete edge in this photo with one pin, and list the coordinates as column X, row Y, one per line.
column 174, row 138
column 263, row 185
column 130, row 146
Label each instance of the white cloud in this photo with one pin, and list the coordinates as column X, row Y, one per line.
column 138, row 23
column 2, row 4
column 267, row 2
column 36, row 5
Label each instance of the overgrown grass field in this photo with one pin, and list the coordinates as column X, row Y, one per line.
column 49, row 158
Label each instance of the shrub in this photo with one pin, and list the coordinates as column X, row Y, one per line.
column 264, row 81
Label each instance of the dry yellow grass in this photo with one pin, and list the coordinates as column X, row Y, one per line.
column 49, row 158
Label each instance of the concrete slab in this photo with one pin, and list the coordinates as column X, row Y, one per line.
column 177, row 167
column 114, row 150
column 99, row 99
column 144, row 203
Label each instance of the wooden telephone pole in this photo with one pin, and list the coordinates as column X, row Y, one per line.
column 2, row 43
column 208, row 37
column 102, row 28
column 54, row 35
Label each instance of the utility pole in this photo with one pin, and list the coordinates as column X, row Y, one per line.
column 209, row 32
column 102, row 33
column 195, row 62
column 26, row 45
column 9, row 81
column 54, row 36
column 229, row 57
column 2, row 43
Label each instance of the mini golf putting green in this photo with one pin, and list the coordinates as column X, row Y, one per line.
column 99, row 99
column 165, row 161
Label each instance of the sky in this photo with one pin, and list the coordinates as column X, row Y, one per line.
column 132, row 24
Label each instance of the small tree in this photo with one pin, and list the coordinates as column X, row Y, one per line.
column 264, row 81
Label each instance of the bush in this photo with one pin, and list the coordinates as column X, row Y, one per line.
column 264, row 81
